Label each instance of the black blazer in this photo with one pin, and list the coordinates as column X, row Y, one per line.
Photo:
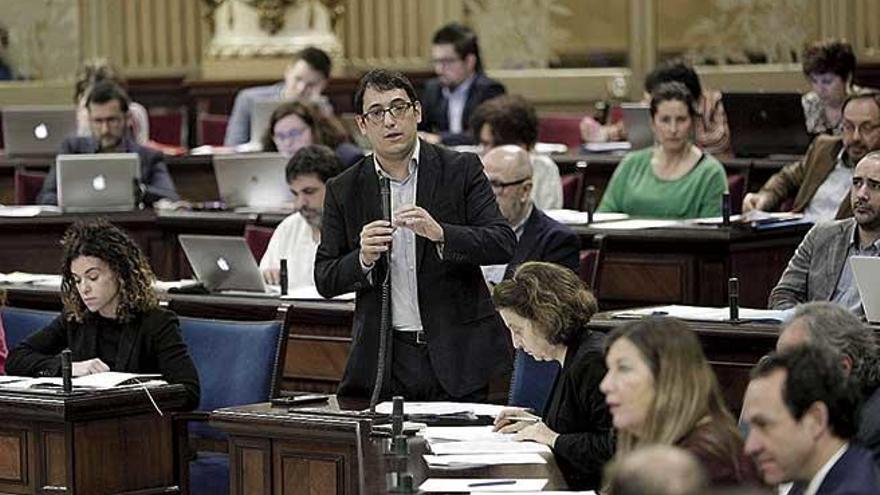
column 545, row 239
column 577, row 411
column 154, row 173
column 467, row 340
column 149, row 343
column 435, row 116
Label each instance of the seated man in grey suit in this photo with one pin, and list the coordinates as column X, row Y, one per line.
column 305, row 79
column 829, row 325
column 539, row 237
column 107, row 105
column 820, row 268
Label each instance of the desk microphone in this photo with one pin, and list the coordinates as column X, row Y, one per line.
column 733, row 298
column 590, row 202
column 282, row 275
column 725, row 209
column 66, row 371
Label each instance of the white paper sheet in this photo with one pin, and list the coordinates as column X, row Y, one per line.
column 443, row 408
column 25, row 211
column 463, row 433
column 574, row 217
column 482, row 459
column 311, row 294
column 552, row 492
column 465, row 485
column 637, row 224
column 703, row 313
column 489, row 447
column 30, row 278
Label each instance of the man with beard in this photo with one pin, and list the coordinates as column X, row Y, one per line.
column 297, row 237
column 820, row 268
column 819, row 183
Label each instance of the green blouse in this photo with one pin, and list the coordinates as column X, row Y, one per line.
column 634, row 189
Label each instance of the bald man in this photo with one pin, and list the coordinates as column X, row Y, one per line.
column 539, row 237
column 657, row 470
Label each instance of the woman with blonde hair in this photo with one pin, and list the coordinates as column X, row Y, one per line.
column 661, row 390
column 547, row 308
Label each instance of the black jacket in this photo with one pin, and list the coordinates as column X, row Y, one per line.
column 467, row 340
column 149, row 343
column 154, row 173
column 577, row 411
column 545, row 239
column 435, row 116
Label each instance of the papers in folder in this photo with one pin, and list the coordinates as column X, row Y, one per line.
column 702, row 313
column 479, row 460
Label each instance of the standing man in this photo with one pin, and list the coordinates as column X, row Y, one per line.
column 107, row 105
column 447, row 338
column 460, row 86
column 304, row 79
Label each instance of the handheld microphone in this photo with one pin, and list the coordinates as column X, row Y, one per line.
column 733, row 298
column 385, row 195
column 66, row 371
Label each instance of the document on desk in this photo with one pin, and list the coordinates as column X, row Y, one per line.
column 703, row 313
column 493, row 485
column 27, row 211
column 574, row 217
column 463, row 434
column 108, row 379
column 475, row 460
column 637, row 224
column 489, row 447
column 47, row 279
column 442, row 408
column 311, row 294
column 551, row 492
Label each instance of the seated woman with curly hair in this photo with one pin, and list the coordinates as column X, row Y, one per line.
column 547, row 308
column 661, row 390
column 111, row 319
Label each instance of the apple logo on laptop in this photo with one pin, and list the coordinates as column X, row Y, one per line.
column 99, row 183
column 223, row 264
column 41, row 131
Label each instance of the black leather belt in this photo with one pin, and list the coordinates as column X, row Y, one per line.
column 414, row 338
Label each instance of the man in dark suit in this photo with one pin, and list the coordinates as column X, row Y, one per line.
column 460, row 86
column 107, row 104
column 447, row 338
column 801, row 412
column 539, row 237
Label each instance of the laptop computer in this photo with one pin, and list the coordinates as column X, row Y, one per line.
column 36, row 130
column 261, row 116
column 223, row 264
column 763, row 124
column 866, row 270
column 98, row 182
column 637, row 121
column 253, row 180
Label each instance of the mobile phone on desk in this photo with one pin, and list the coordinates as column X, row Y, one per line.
column 299, row 400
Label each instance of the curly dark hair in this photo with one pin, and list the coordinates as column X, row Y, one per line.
column 673, row 91
column 513, row 121
column 326, row 130
column 102, row 240
column 552, row 296
column 830, row 56
column 674, row 70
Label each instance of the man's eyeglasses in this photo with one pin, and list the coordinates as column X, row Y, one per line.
column 397, row 110
column 497, row 185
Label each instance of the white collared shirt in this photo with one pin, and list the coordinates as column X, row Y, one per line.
column 820, row 475
column 825, row 202
column 455, row 103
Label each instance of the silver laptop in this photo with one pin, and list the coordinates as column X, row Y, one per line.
column 637, row 121
column 261, row 116
column 867, row 274
column 97, row 182
column 223, row 264
column 253, row 180
column 37, row 130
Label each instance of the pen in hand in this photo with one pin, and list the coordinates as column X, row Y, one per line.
column 491, row 483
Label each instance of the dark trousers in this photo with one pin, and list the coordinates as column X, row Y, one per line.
column 413, row 377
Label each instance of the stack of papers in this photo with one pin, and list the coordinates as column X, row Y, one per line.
column 442, row 408
column 481, row 460
column 493, row 485
column 489, row 447
column 43, row 279
column 108, row 379
column 637, row 224
column 27, row 211
column 702, row 313
column 574, row 217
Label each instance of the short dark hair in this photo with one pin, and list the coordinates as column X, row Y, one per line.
column 830, row 56
column 326, row 129
column 92, row 72
column 814, row 375
column 462, row 38
column 512, row 118
column 106, row 91
column 672, row 91
column 675, row 70
column 313, row 159
column 316, row 58
column 382, row 80
column 871, row 94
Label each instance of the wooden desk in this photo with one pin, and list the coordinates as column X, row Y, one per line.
column 690, row 265
column 98, row 442
column 731, row 348
column 273, row 451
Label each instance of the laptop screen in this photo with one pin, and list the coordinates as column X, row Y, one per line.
column 37, row 130
column 98, row 182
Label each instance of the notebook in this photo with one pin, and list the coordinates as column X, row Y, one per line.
column 37, row 130
column 223, row 264
column 763, row 124
column 261, row 116
column 254, row 180
column 866, row 270
column 98, row 182
column 637, row 121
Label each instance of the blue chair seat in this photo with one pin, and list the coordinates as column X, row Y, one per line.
column 531, row 382
column 19, row 323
